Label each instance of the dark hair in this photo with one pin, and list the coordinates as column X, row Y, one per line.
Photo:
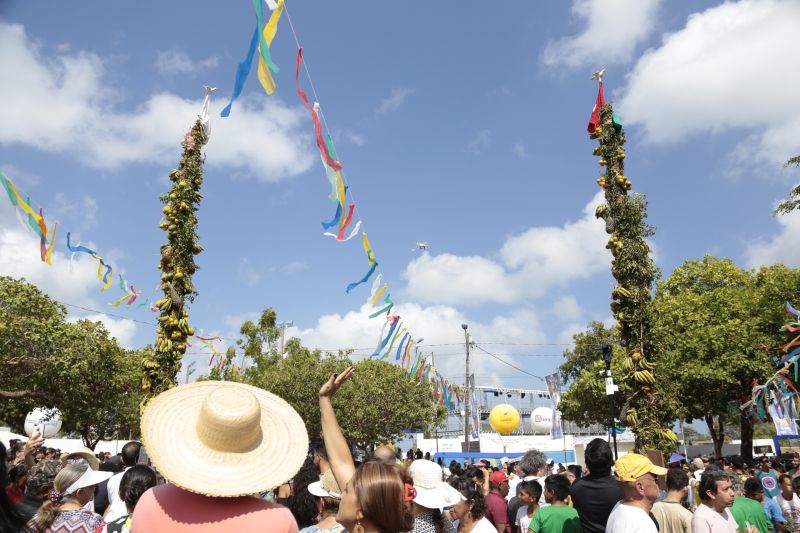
column 532, row 488
column 676, row 479
column 737, row 461
column 598, row 458
column 302, row 503
column 752, row 485
column 796, row 484
column 455, row 468
column 782, row 477
column 130, row 453
column 17, row 471
column 474, row 472
column 135, row 482
column 576, row 470
column 472, row 492
column 109, row 466
column 708, row 481
column 10, row 519
column 558, row 485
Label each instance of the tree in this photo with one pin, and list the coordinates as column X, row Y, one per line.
column 76, row 368
column 161, row 367
column 585, row 401
column 793, row 202
column 712, row 322
column 379, row 404
column 634, row 272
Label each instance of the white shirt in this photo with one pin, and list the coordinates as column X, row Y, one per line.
column 523, row 520
column 629, row 519
column 484, row 526
column 790, row 508
column 116, row 507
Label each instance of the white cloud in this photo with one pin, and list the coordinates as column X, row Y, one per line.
column 351, row 137
column 729, row 67
column 85, row 208
column 437, row 325
column 62, row 104
column 612, row 30
column 175, row 61
column 780, row 248
column 528, row 265
column 480, row 141
column 394, row 100
column 567, row 334
column 121, row 329
column 567, row 308
column 520, row 151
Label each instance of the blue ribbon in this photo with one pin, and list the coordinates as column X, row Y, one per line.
column 386, row 339
column 362, row 280
column 335, row 220
column 400, row 348
column 242, row 71
column 79, row 248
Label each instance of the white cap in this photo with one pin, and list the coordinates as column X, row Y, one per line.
column 89, row 478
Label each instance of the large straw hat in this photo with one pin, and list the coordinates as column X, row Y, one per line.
column 221, row 438
column 432, row 492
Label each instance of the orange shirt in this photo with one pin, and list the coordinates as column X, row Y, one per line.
column 167, row 508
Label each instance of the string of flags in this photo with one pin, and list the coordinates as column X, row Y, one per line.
column 777, row 397
column 398, row 341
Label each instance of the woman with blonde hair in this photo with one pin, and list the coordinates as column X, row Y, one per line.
column 377, row 497
column 64, row 509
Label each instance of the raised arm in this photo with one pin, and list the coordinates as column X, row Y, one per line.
column 335, row 444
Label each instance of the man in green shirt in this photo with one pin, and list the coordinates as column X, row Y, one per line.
column 558, row 517
column 747, row 509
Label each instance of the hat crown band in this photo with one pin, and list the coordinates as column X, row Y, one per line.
column 230, row 421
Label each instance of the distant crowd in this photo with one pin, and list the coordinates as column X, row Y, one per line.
column 227, row 457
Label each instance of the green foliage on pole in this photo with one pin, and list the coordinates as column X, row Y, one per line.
column 633, row 269
column 178, row 265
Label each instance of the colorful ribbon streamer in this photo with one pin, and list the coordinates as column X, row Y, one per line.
column 373, row 265
column 264, row 76
column 323, row 148
column 242, row 71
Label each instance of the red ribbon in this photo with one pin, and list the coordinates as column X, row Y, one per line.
column 347, row 221
column 323, row 149
column 409, row 492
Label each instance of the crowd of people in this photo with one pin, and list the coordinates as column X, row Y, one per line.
column 224, row 456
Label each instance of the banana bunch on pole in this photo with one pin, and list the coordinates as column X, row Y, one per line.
column 161, row 367
column 634, row 272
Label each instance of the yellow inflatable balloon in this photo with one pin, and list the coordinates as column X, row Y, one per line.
column 504, row 419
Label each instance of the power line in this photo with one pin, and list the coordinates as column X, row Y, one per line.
column 507, row 363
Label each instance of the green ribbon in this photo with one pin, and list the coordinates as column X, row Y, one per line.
column 258, row 6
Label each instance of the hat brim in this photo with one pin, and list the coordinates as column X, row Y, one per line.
column 94, row 462
column 317, row 490
column 443, row 495
column 90, row 478
column 169, row 433
column 658, row 470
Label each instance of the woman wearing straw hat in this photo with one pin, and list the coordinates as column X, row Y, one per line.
column 376, row 497
column 328, row 494
column 64, row 510
column 216, row 442
column 433, row 495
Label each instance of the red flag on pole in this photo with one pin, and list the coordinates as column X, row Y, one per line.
column 594, row 120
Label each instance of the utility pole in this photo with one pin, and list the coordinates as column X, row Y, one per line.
column 436, row 407
column 610, row 390
column 283, row 326
column 467, row 394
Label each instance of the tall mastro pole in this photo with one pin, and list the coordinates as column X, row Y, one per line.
column 467, row 395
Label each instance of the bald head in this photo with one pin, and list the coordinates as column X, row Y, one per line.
column 384, row 454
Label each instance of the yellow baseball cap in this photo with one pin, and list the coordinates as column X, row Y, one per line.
column 632, row 466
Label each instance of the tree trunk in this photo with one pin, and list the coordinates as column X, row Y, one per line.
column 746, row 450
column 717, row 433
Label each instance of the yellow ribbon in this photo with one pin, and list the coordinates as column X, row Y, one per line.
column 270, row 29
column 48, row 256
column 379, row 293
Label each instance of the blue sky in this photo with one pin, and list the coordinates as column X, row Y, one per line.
column 458, row 124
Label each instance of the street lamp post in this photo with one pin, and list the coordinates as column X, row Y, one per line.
column 466, row 390
column 283, row 326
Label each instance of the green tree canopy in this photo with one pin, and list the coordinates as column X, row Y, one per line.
column 76, row 368
column 379, row 404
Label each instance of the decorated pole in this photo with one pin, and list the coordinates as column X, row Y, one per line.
column 161, row 367
column 634, row 272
